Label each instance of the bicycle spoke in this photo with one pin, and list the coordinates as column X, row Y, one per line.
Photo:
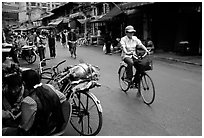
column 85, row 118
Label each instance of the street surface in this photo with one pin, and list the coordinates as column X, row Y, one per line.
column 176, row 111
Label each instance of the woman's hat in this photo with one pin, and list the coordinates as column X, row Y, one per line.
column 130, row 28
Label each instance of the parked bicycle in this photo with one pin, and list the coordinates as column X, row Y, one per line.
column 82, row 42
column 86, row 116
column 146, row 86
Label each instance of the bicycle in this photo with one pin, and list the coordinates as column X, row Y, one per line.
column 84, row 103
column 145, row 86
column 82, row 41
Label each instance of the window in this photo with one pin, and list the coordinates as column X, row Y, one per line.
column 44, row 4
column 27, row 3
column 33, row 4
column 44, row 9
column 94, row 11
column 106, row 8
column 38, row 4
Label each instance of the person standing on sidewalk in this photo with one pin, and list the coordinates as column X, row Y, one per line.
column 64, row 42
column 51, row 43
column 108, row 40
column 41, row 47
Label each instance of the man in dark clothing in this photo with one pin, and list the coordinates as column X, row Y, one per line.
column 51, row 43
column 72, row 42
column 64, row 38
column 108, row 43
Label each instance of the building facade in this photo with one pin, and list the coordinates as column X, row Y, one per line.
column 10, row 14
column 33, row 10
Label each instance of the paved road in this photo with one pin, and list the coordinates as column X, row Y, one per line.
column 177, row 109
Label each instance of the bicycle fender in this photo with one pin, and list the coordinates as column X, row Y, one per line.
column 97, row 101
column 121, row 65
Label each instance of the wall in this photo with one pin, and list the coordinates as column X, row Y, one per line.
column 174, row 22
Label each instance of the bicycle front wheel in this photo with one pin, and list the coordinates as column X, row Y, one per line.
column 147, row 89
column 122, row 75
column 86, row 116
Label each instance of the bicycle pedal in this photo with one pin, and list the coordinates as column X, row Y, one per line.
column 134, row 86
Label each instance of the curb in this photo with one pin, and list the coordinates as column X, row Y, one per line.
column 177, row 60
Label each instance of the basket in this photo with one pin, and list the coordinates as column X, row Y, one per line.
column 146, row 63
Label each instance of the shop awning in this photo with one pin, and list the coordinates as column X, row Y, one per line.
column 78, row 14
column 133, row 5
column 56, row 22
column 120, row 9
column 82, row 21
column 21, row 28
column 114, row 12
column 46, row 27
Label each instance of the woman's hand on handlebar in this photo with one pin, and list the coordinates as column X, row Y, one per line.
column 130, row 53
column 148, row 52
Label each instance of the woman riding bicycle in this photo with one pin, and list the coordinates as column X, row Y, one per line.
column 129, row 44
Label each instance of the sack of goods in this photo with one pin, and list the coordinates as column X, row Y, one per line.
column 104, row 48
column 84, row 71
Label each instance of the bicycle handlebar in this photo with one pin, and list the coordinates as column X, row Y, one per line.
column 59, row 64
column 137, row 56
column 45, row 59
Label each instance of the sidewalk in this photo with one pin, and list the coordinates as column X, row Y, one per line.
column 194, row 60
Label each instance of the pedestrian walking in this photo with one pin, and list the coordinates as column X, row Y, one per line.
column 41, row 47
column 51, row 44
column 63, row 33
column 58, row 37
column 71, row 38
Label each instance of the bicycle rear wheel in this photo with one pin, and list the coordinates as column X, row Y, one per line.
column 147, row 89
column 86, row 116
column 122, row 75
